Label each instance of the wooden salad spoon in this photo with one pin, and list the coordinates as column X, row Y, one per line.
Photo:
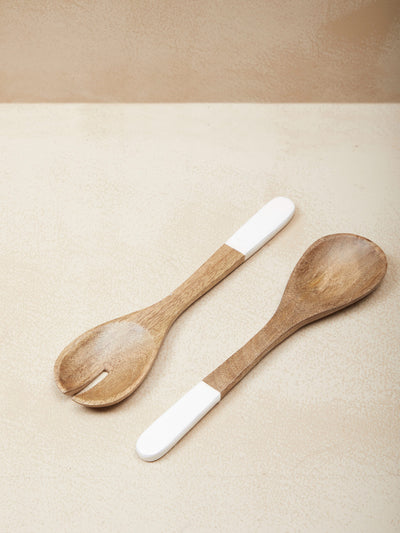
column 125, row 348
column 335, row 271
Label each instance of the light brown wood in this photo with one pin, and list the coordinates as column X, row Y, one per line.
column 335, row 271
column 127, row 346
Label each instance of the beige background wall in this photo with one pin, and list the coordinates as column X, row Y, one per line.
column 173, row 51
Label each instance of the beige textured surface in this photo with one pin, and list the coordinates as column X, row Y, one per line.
column 105, row 209
column 200, row 51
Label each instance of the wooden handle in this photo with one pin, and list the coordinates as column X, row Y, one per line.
column 215, row 269
column 252, row 235
column 171, row 426
column 233, row 369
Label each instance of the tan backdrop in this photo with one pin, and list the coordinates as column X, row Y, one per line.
column 173, row 51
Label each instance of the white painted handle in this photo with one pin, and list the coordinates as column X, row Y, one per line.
column 171, row 426
column 262, row 226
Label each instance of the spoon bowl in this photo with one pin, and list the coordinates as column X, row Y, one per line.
column 124, row 348
column 335, row 271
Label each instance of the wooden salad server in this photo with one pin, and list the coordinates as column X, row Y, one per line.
column 335, row 271
column 124, row 349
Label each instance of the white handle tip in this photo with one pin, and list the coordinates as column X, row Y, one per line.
column 171, row 426
column 261, row 227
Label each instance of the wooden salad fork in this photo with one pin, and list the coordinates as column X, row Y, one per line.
column 125, row 348
column 335, row 271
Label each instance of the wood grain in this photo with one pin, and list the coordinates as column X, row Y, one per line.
column 335, row 271
column 127, row 346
